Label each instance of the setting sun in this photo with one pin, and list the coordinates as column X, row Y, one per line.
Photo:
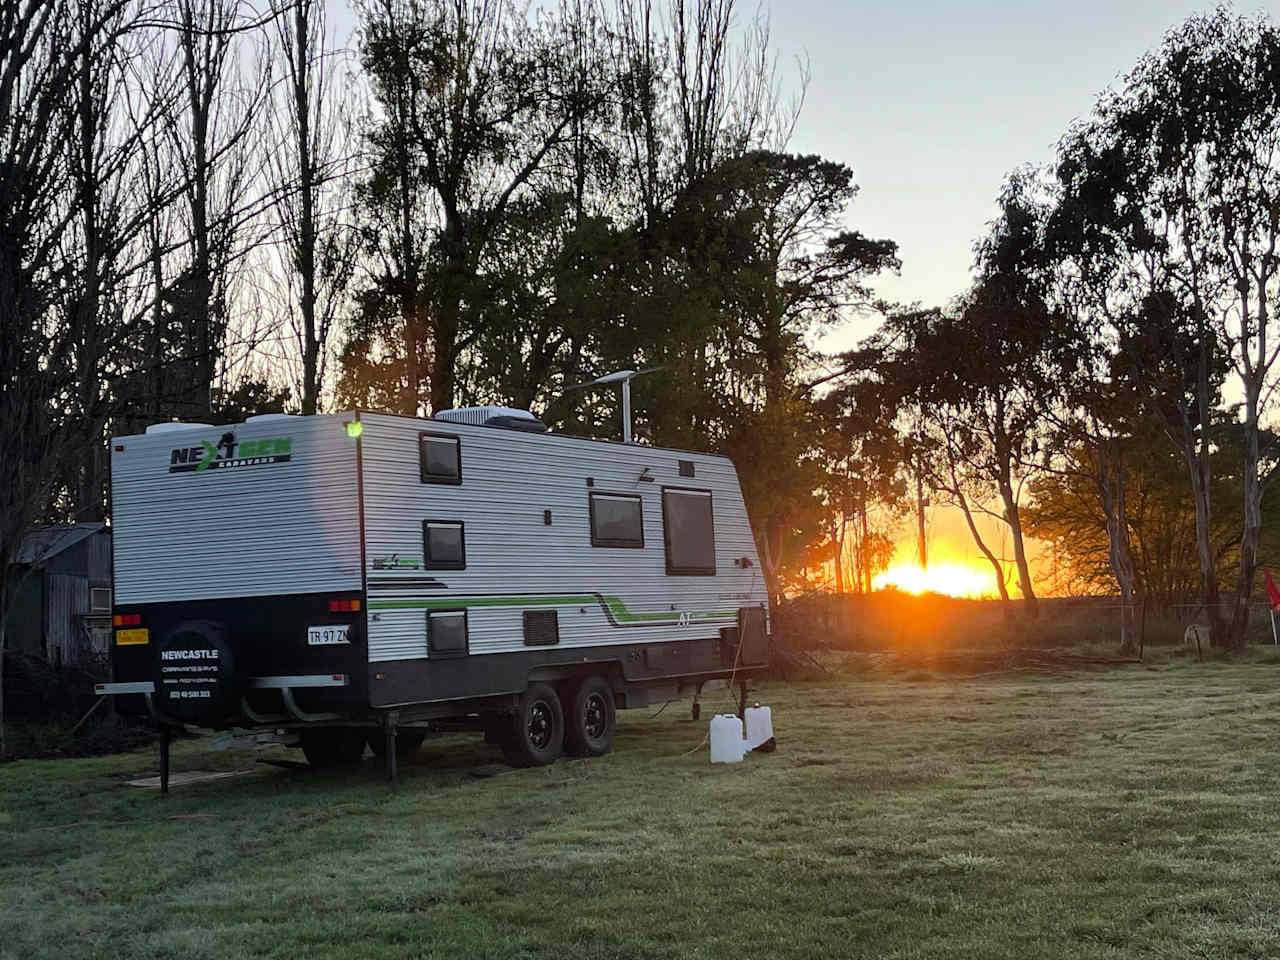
column 952, row 579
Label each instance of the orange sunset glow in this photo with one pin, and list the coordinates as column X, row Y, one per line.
column 952, row 579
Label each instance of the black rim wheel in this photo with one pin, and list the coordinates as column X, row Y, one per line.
column 596, row 718
column 591, row 718
column 541, row 723
column 536, row 732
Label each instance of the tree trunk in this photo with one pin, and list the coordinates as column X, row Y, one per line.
column 1111, row 492
column 922, row 544
column 306, row 249
column 4, row 633
column 1014, row 520
column 1252, row 520
column 837, row 538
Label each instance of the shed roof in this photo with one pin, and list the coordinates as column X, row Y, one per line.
column 42, row 544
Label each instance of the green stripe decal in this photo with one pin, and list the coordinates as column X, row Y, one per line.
column 614, row 606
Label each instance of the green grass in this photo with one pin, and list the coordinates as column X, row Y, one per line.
column 1125, row 812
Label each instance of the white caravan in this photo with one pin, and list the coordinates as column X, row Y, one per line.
column 360, row 577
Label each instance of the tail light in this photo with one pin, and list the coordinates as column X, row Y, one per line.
column 127, row 619
column 344, row 606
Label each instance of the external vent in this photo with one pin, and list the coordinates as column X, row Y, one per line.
column 541, row 628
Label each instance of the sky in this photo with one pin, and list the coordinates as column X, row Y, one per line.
column 933, row 103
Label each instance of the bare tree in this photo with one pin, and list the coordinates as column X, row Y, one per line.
column 308, row 159
column 44, row 47
column 210, row 138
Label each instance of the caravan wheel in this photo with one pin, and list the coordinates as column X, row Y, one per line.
column 592, row 716
column 537, row 730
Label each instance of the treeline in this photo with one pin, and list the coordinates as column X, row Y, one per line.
column 1109, row 381
column 209, row 209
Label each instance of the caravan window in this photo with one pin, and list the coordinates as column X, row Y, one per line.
column 440, row 458
column 443, row 545
column 447, row 633
column 688, row 529
column 616, row 520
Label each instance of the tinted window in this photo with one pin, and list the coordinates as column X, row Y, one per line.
column 689, row 531
column 447, row 632
column 616, row 520
column 440, row 458
column 443, row 545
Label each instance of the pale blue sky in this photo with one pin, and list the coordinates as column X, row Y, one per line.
column 932, row 103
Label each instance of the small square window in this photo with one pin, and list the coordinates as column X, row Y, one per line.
column 617, row 520
column 447, row 633
column 100, row 599
column 443, row 545
column 440, row 458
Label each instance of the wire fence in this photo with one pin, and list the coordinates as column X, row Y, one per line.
column 902, row 621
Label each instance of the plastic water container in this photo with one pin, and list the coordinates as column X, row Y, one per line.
column 727, row 745
column 759, row 726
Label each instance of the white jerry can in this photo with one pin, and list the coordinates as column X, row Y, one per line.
column 727, row 745
column 759, row 726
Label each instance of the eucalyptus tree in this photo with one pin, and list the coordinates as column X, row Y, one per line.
column 1170, row 216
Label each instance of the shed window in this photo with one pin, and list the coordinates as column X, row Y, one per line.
column 616, row 520
column 443, row 545
column 688, row 529
column 440, row 458
column 99, row 599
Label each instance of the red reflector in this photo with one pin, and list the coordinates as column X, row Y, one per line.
column 119, row 448
column 338, row 676
column 335, row 606
column 126, row 619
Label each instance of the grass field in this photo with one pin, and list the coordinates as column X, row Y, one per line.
column 1122, row 812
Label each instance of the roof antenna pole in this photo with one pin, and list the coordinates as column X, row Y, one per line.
column 622, row 377
column 626, row 410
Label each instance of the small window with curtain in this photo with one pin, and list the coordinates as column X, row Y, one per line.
column 616, row 520
column 443, row 545
column 440, row 458
column 688, row 530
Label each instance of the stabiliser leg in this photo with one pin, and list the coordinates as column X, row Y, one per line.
column 389, row 734
column 166, row 735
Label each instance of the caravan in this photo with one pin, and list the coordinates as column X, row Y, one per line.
column 361, row 577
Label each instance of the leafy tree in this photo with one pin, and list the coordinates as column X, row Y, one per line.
column 1169, row 217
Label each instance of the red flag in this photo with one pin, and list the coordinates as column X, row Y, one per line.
column 1273, row 592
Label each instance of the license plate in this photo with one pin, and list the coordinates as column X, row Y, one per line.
column 323, row 636
column 126, row 638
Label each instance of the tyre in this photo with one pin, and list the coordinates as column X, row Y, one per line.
column 333, row 746
column 537, row 731
column 408, row 741
column 591, row 719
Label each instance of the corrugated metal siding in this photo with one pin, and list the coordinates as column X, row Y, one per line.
column 67, row 600
column 515, row 562
column 98, row 558
column 261, row 530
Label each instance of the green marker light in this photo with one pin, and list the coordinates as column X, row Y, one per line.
column 354, row 428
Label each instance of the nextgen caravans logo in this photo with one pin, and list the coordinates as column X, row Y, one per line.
column 229, row 453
